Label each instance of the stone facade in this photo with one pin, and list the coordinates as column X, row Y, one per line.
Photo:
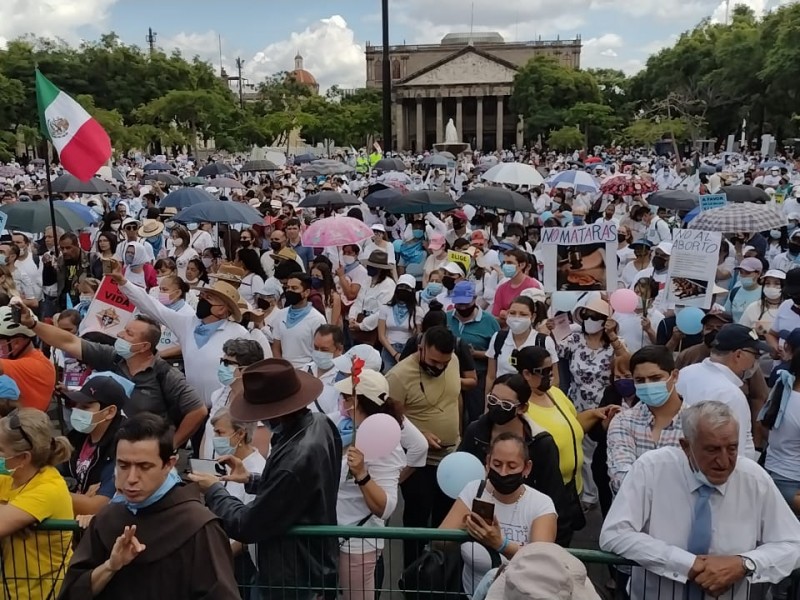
column 467, row 80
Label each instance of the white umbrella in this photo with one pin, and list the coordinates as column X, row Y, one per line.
column 514, row 174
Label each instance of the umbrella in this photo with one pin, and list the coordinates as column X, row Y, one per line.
column 390, row 164
column 325, row 167
column 167, row 178
column 254, row 166
column 195, row 181
column 304, row 158
column 214, row 169
column 673, row 199
column 335, row 231
column 399, row 181
column 580, row 181
column 10, row 171
column 744, row 216
column 593, row 160
column 157, row 166
column 745, row 193
column 68, row 184
column 773, row 163
column 328, row 199
column 497, row 197
column 435, row 160
column 382, row 197
column 35, row 217
column 83, row 211
column 422, row 201
column 628, row 185
column 707, row 169
column 227, row 183
column 185, row 197
column 514, row 174
column 107, row 173
column 217, row 211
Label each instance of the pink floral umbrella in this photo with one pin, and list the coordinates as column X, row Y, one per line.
column 335, row 231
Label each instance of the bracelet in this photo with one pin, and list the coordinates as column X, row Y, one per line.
column 365, row 481
column 503, row 546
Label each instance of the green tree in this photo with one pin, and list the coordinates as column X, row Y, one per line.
column 566, row 138
column 595, row 120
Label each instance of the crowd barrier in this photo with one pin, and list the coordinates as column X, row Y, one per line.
column 37, row 571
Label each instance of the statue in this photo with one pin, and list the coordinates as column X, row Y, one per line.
column 450, row 133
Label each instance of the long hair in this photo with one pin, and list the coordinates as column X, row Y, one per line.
column 412, row 308
column 328, row 285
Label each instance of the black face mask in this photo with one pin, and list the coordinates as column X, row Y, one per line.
column 203, row 310
column 547, row 381
column 276, row 246
column 500, row 416
column 292, row 298
column 659, row 263
column 244, row 243
column 457, row 224
column 465, row 312
column 404, row 296
column 449, row 283
column 263, row 304
column 506, row 484
column 621, row 238
column 373, row 271
column 709, row 338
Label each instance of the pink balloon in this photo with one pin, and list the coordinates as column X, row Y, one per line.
column 624, row 301
column 378, row 436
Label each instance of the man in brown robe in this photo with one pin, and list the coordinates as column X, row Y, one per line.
column 155, row 539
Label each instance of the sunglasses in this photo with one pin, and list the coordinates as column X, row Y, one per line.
column 16, row 425
column 542, row 371
column 492, row 400
column 131, row 228
column 228, row 363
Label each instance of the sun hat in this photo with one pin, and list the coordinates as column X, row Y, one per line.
column 407, row 280
column 228, row 272
column 285, row 254
column 227, row 293
column 378, row 259
column 151, row 228
column 371, row 384
column 596, row 304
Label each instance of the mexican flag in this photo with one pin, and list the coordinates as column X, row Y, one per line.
column 82, row 144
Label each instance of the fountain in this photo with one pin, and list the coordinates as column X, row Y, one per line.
column 452, row 142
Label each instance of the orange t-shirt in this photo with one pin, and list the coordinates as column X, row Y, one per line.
column 35, row 376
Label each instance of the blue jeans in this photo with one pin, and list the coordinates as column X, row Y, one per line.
column 787, row 487
column 388, row 359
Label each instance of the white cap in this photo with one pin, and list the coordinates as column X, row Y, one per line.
column 665, row 247
column 408, row 280
column 371, row 384
column 370, row 356
column 378, row 227
column 453, row 268
column 129, row 221
column 776, row 273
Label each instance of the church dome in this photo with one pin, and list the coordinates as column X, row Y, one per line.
column 301, row 76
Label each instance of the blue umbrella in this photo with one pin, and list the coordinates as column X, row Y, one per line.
column 220, row 212
column 185, row 197
column 691, row 215
column 83, row 211
column 157, row 166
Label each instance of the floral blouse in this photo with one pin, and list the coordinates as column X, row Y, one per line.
column 590, row 370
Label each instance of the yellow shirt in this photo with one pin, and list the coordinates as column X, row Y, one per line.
column 553, row 421
column 35, row 563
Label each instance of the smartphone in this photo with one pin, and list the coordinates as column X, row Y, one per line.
column 16, row 313
column 206, row 467
column 485, row 510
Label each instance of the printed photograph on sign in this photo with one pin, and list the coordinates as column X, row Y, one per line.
column 693, row 267
column 575, row 258
column 109, row 312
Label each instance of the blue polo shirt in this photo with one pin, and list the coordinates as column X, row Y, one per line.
column 476, row 332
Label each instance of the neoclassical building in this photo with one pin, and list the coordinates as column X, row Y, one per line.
column 466, row 77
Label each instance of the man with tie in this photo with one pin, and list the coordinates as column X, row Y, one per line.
column 700, row 520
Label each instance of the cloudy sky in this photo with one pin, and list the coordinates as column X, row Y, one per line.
column 331, row 35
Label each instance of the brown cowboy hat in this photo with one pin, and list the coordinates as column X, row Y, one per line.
column 230, row 273
column 151, row 228
column 378, row 259
column 227, row 293
column 272, row 388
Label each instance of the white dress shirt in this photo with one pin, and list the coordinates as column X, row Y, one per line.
column 651, row 518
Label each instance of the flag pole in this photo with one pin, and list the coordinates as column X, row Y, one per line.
column 50, row 199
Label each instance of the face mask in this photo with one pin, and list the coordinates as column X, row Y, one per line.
column 373, row 271
column 466, row 311
column 698, row 474
column 518, row 325
column 509, row 270
column 348, row 260
column 3, row 259
column 794, row 249
column 164, row 298
column 546, row 381
column 346, row 431
column 292, row 298
column 81, row 420
column 244, row 243
column 276, row 246
column 177, row 242
column 316, row 282
column 87, row 297
column 429, row 369
column 418, row 234
column 404, row 296
column 500, row 416
column 207, row 262
column 226, row 374
column 448, row 283
column 653, row 394
column 323, row 360
column 775, row 234
column 123, row 348
column 4, row 470
column 434, row 288
column 708, row 338
column 621, row 238
column 203, row 310
column 591, row 326
column 747, row 282
column 505, row 484
column 659, row 263
column 772, row 293
column 192, row 226
column 625, row 387
column 223, row 447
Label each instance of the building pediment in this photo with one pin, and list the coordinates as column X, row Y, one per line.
column 464, row 67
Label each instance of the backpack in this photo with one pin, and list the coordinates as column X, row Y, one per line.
column 502, row 336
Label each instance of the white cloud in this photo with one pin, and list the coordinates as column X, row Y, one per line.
column 52, row 18
column 603, row 52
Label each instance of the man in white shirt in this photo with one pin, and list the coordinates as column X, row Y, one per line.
column 294, row 334
column 657, row 229
column 701, row 517
column 28, row 262
column 734, row 353
column 328, row 345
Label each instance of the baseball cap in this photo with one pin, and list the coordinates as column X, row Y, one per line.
column 453, row 268
column 371, row 384
column 725, row 317
column 103, row 390
column 407, row 280
column 478, row 234
column 460, row 214
column 640, row 244
column 665, row 247
column 9, row 390
column 436, row 242
column 791, row 286
column 752, row 265
column 791, row 337
column 370, row 356
column 776, row 273
column 738, row 337
column 794, row 234
column 463, row 292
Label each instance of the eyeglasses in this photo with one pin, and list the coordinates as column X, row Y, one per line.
column 753, row 352
column 16, row 425
column 228, row 362
column 492, row 400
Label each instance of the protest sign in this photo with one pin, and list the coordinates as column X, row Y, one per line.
column 709, row 201
column 461, row 258
column 110, row 310
column 693, row 267
column 574, row 258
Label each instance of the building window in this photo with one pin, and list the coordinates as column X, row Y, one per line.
column 395, row 69
column 378, row 71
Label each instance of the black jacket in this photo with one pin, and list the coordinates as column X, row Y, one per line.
column 299, row 486
column 103, row 458
column 545, row 475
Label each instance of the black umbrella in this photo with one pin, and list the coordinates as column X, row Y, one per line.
column 382, row 197
column 420, row 202
column 69, row 184
column 185, row 197
column 390, row 164
column 745, row 193
column 254, row 166
column 328, row 199
column 157, row 166
column 304, row 158
column 35, row 217
column 497, row 197
column 216, row 211
column 167, row 178
column 435, row 160
column 214, row 169
column 673, row 199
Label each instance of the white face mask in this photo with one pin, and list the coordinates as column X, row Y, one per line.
column 518, row 325
column 772, row 293
column 177, row 242
column 591, row 326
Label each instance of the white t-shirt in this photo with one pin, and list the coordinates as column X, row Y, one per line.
column 504, row 366
column 182, row 261
column 250, row 284
column 786, row 318
column 630, row 328
column 515, row 524
column 755, row 319
column 783, row 456
column 297, row 343
column 399, row 333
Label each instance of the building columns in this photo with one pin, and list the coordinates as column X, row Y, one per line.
column 400, row 125
column 420, row 129
column 479, row 124
column 439, row 121
column 460, row 119
column 499, row 132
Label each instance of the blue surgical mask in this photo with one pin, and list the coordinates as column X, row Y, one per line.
column 2, row 259
column 226, row 374
column 775, row 234
column 4, row 470
column 747, row 282
column 434, row 288
column 347, row 431
column 323, row 360
column 223, row 447
column 653, row 394
column 123, row 348
column 82, row 420
column 170, row 482
column 419, row 234
column 509, row 270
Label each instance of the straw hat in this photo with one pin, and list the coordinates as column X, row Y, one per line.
column 230, row 273
column 596, row 304
column 227, row 293
column 151, row 228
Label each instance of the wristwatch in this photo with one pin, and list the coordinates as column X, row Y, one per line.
column 749, row 565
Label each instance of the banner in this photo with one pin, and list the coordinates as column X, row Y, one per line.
column 109, row 312
column 709, row 201
column 693, row 267
column 574, row 258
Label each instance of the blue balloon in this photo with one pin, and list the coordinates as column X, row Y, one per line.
column 457, row 470
column 690, row 320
